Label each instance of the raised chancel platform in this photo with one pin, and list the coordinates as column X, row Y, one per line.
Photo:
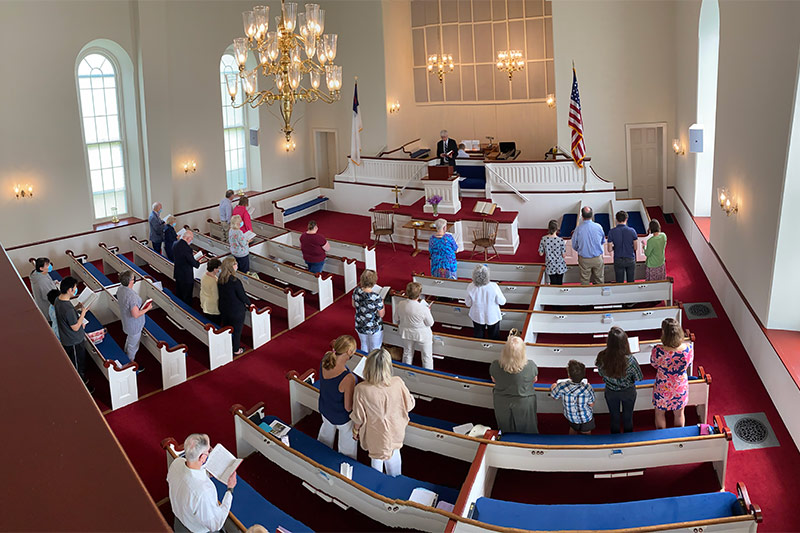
column 465, row 222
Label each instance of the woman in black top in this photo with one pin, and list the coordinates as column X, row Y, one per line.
column 233, row 301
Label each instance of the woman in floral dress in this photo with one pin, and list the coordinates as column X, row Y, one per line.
column 672, row 360
column 443, row 247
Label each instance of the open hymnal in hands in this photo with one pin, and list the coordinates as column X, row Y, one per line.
column 87, row 298
column 249, row 235
column 181, row 232
column 382, row 291
column 221, row 463
column 146, row 304
column 633, row 342
column 199, row 254
column 484, row 208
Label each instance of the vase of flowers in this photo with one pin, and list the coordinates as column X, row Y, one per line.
column 434, row 201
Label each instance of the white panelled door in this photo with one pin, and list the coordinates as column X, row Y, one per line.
column 645, row 168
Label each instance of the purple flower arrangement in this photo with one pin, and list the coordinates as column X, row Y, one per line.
column 435, row 200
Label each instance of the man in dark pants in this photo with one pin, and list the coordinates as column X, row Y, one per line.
column 70, row 327
column 622, row 241
column 446, row 149
column 185, row 263
column 156, row 227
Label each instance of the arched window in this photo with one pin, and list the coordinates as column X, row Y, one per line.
column 707, row 68
column 103, row 134
column 234, row 125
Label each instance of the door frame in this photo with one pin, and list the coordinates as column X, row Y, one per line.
column 660, row 126
column 314, row 147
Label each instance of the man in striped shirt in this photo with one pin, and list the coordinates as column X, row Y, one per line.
column 578, row 398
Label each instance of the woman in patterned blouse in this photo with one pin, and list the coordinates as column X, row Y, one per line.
column 672, row 361
column 552, row 247
column 442, row 247
column 369, row 312
column 620, row 372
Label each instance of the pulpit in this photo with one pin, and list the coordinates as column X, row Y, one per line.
column 446, row 188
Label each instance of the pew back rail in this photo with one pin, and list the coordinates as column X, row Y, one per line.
column 298, row 205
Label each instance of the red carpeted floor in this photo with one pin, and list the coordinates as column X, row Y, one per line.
column 202, row 405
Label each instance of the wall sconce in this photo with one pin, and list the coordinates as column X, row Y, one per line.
column 189, row 165
column 726, row 201
column 23, row 192
column 551, row 100
column 289, row 146
column 677, row 147
column 394, row 107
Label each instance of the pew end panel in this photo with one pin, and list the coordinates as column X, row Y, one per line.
column 302, row 399
column 241, row 418
column 172, row 359
column 123, row 387
column 259, row 321
column 220, row 345
column 751, row 508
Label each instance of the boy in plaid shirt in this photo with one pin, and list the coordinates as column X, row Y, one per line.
column 578, row 398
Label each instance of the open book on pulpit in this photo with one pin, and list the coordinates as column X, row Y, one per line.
column 485, row 208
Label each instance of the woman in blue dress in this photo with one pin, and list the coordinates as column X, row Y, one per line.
column 442, row 247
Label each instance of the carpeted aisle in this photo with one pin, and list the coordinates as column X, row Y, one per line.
column 202, row 404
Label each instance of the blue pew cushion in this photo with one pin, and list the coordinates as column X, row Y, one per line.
column 305, row 205
column 635, row 221
column 395, row 488
column 642, row 513
column 251, row 508
column 55, row 275
column 158, row 333
column 422, row 152
column 189, row 309
column 596, row 440
column 99, row 276
column 133, row 266
column 109, row 348
column 604, row 220
column 568, row 223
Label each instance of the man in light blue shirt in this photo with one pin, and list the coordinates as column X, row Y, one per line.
column 588, row 241
column 225, row 212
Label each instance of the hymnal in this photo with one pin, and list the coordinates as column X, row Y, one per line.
column 87, row 297
column 424, row 497
column 181, row 232
column 633, row 342
column 146, row 303
column 198, row 255
column 382, row 291
column 249, row 235
column 221, row 463
column 359, row 369
column 463, row 429
column 485, row 208
column 279, row 429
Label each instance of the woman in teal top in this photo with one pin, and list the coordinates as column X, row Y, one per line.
column 654, row 250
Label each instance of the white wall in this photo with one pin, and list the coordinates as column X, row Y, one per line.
column 707, row 66
column 624, row 56
column 530, row 125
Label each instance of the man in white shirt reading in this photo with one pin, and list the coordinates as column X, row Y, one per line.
column 192, row 493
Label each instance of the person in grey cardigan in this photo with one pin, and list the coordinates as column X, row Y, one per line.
column 41, row 284
column 156, row 227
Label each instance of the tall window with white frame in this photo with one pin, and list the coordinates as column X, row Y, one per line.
column 103, row 134
column 234, row 124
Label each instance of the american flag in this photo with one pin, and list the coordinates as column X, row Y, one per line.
column 578, row 148
column 355, row 135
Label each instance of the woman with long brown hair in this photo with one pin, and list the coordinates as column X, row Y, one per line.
column 620, row 372
column 336, row 386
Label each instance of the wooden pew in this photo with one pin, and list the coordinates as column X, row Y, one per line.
column 515, row 293
column 144, row 255
column 283, row 251
column 298, row 205
column 478, row 392
column 502, row 271
column 598, row 321
column 548, row 453
column 262, row 229
column 544, row 355
column 320, row 284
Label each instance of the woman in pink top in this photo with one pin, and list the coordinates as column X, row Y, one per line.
column 242, row 211
column 672, row 361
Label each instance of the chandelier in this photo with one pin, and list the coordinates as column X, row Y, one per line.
column 281, row 61
column 442, row 63
column 510, row 61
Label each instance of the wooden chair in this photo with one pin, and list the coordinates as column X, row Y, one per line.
column 485, row 238
column 383, row 224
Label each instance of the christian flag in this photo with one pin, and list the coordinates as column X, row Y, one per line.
column 578, row 148
column 355, row 138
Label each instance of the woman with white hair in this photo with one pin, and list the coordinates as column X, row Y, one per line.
column 443, row 247
column 484, row 299
column 381, row 404
column 513, row 376
column 240, row 248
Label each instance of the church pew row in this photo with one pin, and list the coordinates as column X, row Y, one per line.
column 550, row 453
column 382, row 498
column 248, row 508
column 708, row 512
column 292, row 301
column 360, row 252
column 533, row 272
column 259, row 320
column 571, row 295
column 531, row 323
column 315, row 283
column 477, row 392
column 170, row 354
column 298, row 205
column 282, row 249
column 544, row 355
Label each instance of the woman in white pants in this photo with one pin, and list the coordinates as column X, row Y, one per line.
column 336, row 387
column 414, row 321
column 381, row 404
